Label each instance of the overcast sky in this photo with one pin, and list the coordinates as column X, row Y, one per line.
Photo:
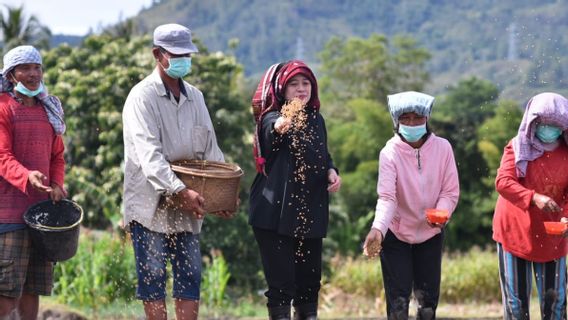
column 76, row 17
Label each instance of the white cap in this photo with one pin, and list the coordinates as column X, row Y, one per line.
column 174, row 38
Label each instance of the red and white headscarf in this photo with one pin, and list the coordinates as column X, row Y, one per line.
column 274, row 97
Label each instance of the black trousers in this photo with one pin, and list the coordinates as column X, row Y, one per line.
column 292, row 268
column 407, row 267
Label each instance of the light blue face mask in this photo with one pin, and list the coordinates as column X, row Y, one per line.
column 547, row 133
column 179, row 67
column 412, row 133
column 27, row 92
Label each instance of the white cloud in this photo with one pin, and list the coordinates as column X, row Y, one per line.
column 77, row 17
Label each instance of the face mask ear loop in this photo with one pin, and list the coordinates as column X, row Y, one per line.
column 159, row 62
column 11, row 74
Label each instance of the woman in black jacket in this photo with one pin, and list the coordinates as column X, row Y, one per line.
column 290, row 195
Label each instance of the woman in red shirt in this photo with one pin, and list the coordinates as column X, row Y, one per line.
column 32, row 169
column 532, row 182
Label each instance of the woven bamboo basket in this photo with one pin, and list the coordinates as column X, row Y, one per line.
column 217, row 182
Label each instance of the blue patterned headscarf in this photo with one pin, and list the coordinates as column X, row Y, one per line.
column 409, row 101
column 28, row 54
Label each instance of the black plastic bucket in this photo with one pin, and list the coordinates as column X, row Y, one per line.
column 54, row 228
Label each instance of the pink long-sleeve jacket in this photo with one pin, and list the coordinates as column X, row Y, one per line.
column 411, row 181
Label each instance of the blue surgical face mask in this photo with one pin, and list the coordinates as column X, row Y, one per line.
column 179, row 67
column 412, row 133
column 547, row 133
column 27, row 92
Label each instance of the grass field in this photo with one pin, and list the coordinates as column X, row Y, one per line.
column 350, row 308
column 351, row 290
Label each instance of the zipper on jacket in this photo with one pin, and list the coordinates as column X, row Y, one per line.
column 421, row 183
column 417, row 152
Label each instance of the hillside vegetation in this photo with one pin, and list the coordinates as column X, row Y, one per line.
column 517, row 44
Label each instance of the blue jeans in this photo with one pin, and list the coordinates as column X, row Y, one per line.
column 152, row 250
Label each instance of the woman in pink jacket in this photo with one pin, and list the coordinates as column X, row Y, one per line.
column 417, row 171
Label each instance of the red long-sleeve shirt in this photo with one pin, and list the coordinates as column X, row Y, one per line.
column 517, row 224
column 27, row 143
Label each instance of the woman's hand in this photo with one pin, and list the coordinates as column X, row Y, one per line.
column 57, row 193
column 334, row 180
column 436, row 225
column 282, row 125
column 36, row 178
column 545, row 203
column 373, row 243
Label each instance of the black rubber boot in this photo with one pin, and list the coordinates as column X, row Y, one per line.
column 426, row 314
column 306, row 312
column 279, row 313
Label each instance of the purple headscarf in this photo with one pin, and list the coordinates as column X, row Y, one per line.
column 546, row 108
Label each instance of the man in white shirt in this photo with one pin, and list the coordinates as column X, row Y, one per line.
column 165, row 119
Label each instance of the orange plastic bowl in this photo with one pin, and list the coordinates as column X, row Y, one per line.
column 555, row 228
column 437, row 215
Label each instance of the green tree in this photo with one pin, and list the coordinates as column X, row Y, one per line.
column 457, row 117
column 496, row 132
column 124, row 29
column 93, row 81
column 372, row 68
column 355, row 146
column 19, row 29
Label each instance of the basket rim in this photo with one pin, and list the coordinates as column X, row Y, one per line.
column 234, row 171
column 41, row 227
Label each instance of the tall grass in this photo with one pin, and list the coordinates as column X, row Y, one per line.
column 215, row 279
column 467, row 277
column 471, row 277
column 103, row 274
column 101, row 279
column 102, row 271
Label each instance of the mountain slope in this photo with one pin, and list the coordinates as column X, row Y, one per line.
column 518, row 44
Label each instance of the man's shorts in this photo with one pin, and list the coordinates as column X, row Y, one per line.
column 152, row 250
column 22, row 269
